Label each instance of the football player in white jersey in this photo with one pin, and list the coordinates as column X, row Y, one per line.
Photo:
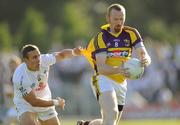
column 32, row 95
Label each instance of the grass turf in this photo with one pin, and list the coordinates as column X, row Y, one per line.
column 133, row 122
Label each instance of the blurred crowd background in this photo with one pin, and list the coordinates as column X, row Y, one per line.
column 58, row 24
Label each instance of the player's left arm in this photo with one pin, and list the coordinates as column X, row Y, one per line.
column 67, row 53
column 143, row 56
column 140, row 49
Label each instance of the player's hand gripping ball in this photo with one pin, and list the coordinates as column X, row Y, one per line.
column 134, row 68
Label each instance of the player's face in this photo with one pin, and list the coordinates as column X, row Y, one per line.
column 116, row 20
column 33, row 60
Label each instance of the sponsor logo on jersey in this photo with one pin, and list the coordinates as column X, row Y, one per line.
column 127, row 42
column 108, row 44
column 41, row 86
column 39, row 78
column 118, row 53
column 33, row 85
column 116, row 40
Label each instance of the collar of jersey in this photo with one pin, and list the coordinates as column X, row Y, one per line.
column 30, row 70
column 105, row 27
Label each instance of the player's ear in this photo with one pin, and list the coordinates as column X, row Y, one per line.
column 25, row 60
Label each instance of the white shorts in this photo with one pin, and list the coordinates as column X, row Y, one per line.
column 106, row 84
column 43, row 115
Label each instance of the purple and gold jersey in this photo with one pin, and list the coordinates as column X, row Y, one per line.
column 117, row 46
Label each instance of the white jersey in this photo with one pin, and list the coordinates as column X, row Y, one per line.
column 25, row 80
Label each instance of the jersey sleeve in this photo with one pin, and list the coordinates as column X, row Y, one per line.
column 100, row 45
column 48, row 59
column 137, row 39
column 96, row 45
column 134, row 35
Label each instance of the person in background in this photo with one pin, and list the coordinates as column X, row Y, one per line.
column 10, row 118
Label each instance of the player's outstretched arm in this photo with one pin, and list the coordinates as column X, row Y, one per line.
column 68, row 53
column 38, row 102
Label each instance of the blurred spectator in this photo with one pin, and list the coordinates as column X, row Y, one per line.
column 1, row 84
column 10, row 118
column 2, row 98
column 14, row 61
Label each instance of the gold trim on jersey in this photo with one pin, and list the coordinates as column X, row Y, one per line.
column 105, row 27
column 96, row 85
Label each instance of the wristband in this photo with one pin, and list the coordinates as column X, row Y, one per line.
column 55, row 102
column 73, row 53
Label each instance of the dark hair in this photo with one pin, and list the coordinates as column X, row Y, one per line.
column 27, row 48
column 116, row 7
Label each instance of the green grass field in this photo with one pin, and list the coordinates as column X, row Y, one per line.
column 133, row 122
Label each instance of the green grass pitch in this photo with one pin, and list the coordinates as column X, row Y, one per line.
column 132, row 122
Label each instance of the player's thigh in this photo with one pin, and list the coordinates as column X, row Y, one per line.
column 28, row 118
column 108, row 103
column 102, row 84
column 121, row 90
column 51, row 121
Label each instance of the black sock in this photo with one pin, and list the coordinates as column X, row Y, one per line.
column 87, row 122
column 120, row 107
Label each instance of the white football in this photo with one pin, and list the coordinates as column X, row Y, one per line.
column 135, row 68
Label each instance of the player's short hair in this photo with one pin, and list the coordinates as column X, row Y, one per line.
column 27, row 48
column 116, row 6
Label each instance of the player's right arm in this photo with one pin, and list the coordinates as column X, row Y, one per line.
column 104, row 69
column 23, row 89
column 67, row 53
column 38, row 102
